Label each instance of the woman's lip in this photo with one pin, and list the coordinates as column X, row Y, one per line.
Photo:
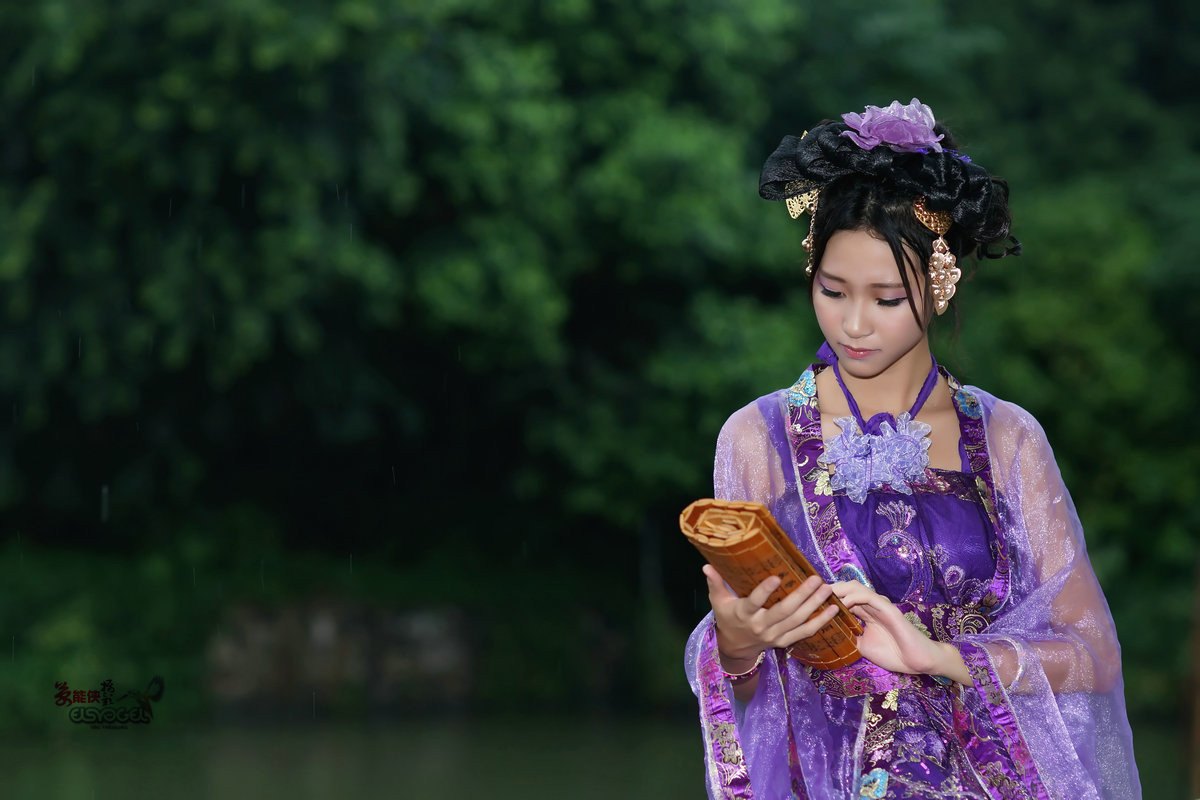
column 855, row 352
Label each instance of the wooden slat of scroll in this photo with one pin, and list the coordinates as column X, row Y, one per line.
column 746, row 545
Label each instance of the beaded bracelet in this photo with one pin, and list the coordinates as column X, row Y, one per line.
column 735, row 677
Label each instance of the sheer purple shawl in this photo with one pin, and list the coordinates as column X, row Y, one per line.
column 1047, row 668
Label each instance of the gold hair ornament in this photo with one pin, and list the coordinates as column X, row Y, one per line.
column 943, row 274
column 805, row 204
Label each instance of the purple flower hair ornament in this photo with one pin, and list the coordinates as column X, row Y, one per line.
column 903, row 129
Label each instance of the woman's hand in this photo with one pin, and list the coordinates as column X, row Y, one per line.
column 892, row 642
column 745, row 628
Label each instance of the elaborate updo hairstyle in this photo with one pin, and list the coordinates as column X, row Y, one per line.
column 871, row 169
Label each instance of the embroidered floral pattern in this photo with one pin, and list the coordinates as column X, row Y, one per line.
column 916, row 622
column 804, row 389
column 967, row 404
column 822, row 479
column 894, row 458
column 850, row 572
column 730, row 748
column 728, row 776
column 873, row 784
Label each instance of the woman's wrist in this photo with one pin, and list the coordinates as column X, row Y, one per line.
column 740, row 669
column 743, row 653
column 950, row 666
column 732, row 663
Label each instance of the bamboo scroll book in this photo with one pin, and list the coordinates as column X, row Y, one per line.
column 746, row 545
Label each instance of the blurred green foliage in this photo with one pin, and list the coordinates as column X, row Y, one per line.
column 420, row 279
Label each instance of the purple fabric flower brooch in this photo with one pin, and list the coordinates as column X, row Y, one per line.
column 903, row 129
column 861, row 462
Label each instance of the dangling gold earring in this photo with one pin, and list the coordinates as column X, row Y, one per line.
column 805, row 204
column 943, row 274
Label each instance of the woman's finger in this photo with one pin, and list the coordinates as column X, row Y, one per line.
column 797, row 597
column 806, row 610
column 718, row 591
column 807, row 629
column 762, row 592
column 854, row 595
column 802, row 606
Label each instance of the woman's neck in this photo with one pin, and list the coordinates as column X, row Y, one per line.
column 896, row 388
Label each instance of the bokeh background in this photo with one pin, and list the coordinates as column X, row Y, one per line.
column 356, row 359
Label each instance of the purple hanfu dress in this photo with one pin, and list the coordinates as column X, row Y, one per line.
column 990, row 558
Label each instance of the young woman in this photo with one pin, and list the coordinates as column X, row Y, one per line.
column 935, row 511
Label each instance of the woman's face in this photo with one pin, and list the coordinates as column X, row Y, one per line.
column 862, row 307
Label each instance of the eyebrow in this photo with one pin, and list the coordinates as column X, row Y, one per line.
column 872, row 286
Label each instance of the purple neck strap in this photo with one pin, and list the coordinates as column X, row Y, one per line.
column 872, row 425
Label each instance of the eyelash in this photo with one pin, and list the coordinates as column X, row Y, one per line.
column 891, row 302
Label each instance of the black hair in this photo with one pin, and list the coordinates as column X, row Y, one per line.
column 879, row 205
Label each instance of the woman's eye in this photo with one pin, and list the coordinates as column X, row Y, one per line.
column 830, row 292
column 892, row 302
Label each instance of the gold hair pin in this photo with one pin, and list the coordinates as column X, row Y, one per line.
column 805, row 204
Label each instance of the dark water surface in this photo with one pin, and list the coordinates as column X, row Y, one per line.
column 521, row 758
column 495, row 759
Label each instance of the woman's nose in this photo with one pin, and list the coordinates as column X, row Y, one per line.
column 856, row 322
